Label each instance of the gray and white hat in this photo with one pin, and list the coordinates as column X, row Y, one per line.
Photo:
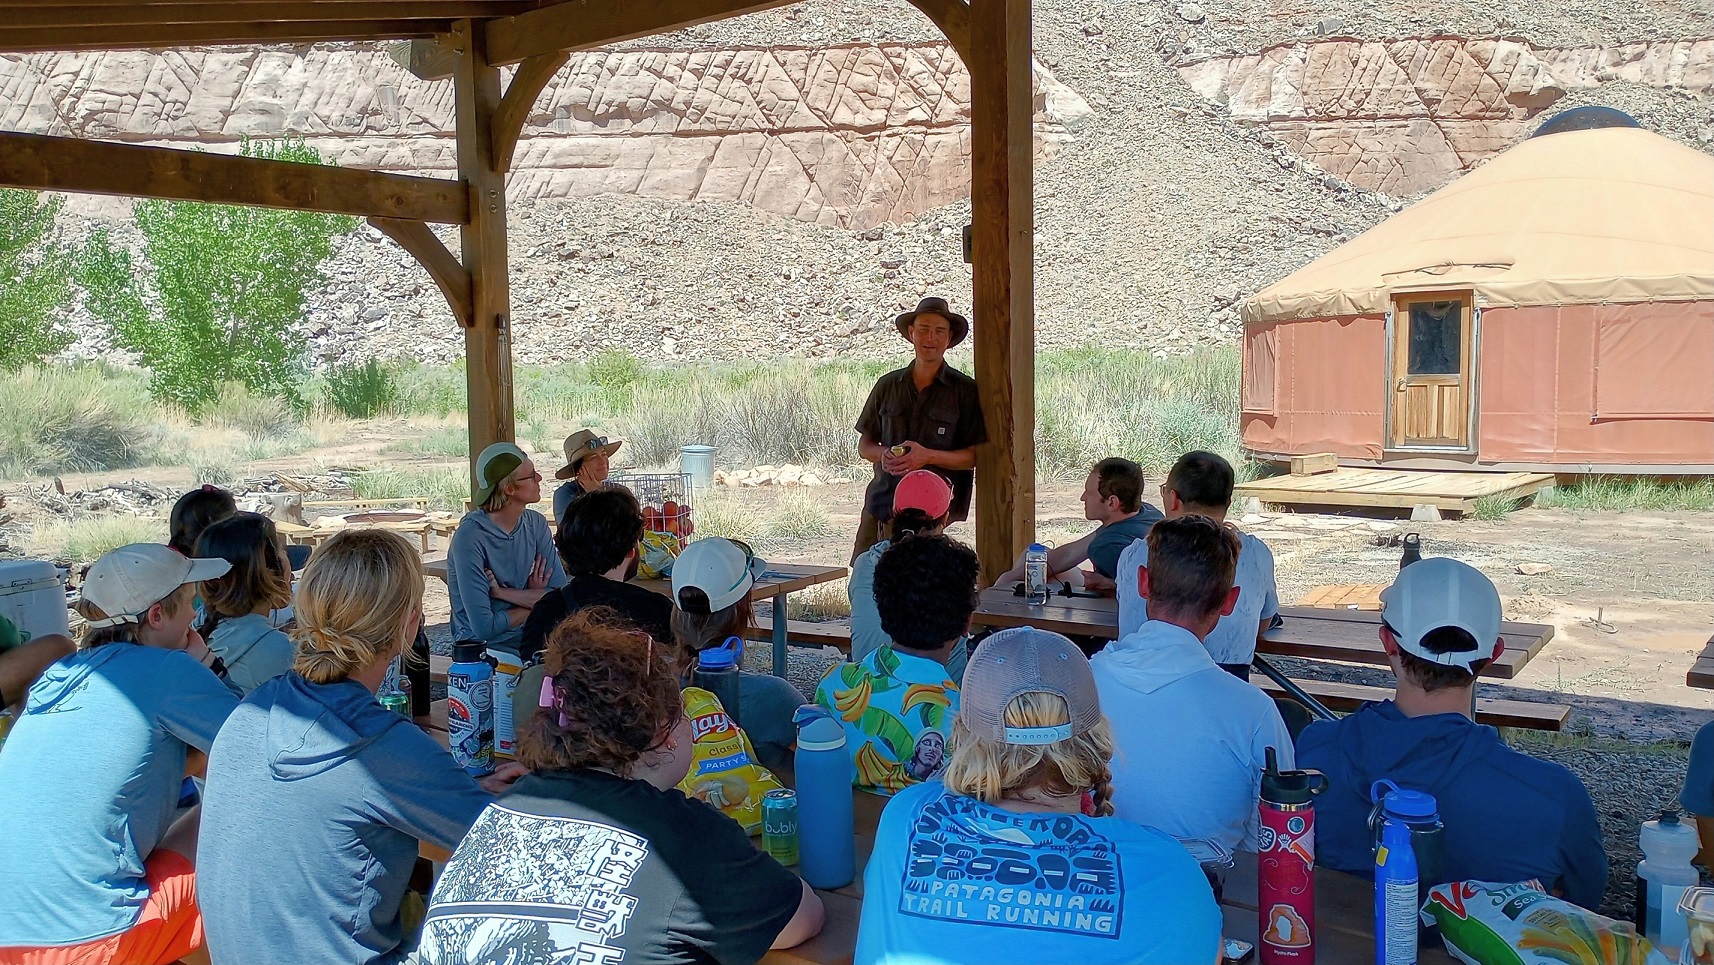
column 1024, row 660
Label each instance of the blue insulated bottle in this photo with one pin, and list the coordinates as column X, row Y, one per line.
column 470, row 707
column 827, row 838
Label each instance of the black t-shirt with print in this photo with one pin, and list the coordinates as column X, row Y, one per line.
column 649, row 610
column 582, row 866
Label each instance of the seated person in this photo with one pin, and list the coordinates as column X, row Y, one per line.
column 922, row 505
column 897, row 704
column 1697, row 796
column 1200, row 484
column 597, row 542
column 97, row 868
column 711, row 584
column 587, row 457
column 502, row 558
column 22, row 661
column 1030, row 752
column 317, row 796
column 595, row 856
column 1112, row 497
column 1508, row 816
column 1192, row 740
column 194, row 512
column 240, row 601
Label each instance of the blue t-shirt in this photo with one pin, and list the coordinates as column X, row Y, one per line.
column 951, row 876
column 89, row 783
column 1112, row 539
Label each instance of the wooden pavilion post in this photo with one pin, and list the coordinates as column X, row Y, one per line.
column 488, row 340
column 1002, row 193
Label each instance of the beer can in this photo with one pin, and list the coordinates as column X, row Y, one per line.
column 779, row 825
column 899, row 450
column 396, row 701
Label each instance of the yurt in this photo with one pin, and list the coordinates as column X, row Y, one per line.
column 1551, row 310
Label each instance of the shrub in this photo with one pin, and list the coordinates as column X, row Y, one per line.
column 431, row 390
column 444, row 488
column 73, row 419
column 615, row 372
column 35, row 279
column 88, row 538
column 799, row 516
column 362, row 391
column 255, row 414
column 219, row 290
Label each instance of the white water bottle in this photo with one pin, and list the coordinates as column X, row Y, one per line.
column 1668, row 846
column 1035, row 575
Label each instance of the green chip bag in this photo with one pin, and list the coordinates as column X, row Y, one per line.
column 1494, row 924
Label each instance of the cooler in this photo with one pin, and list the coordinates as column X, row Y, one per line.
column 32, row 596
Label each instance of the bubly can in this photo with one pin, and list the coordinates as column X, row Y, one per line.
column 396, row 701
column 779, row 825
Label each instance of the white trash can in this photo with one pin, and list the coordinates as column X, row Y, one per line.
column 697, row 462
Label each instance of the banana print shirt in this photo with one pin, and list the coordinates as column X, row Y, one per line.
column 897, row 709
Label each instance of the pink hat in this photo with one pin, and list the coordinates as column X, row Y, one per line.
column 924, row 490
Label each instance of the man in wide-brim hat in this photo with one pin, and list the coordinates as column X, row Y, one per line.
column 587, row 457
column 923, row 416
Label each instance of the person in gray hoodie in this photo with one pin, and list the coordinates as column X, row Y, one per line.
column 502, row 558
column 317, row 796
column 240, row 601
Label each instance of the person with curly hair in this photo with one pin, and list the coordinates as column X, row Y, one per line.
column 920, row 508
column 897, row 704
column 317, row 796
column 596, row 855
column 1029, row 865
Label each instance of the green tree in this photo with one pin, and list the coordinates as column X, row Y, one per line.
column 35, row 279
column 218, row 292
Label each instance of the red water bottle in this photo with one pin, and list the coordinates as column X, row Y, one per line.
column 1286, row 864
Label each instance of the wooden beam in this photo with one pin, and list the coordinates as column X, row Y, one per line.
column 432, row 58
column 487, row 342
column 581, row 24
column 533, row 75
column 953, row 19
column 246, row 33
column 454, row 281
column 115, row 14
column 45, row 163
column 1002, row 160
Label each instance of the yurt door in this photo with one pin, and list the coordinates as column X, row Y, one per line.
column 1430, row 342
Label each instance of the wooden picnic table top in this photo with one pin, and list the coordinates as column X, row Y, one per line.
column 1312, row 632
column 1701, row 675
column 778, row 578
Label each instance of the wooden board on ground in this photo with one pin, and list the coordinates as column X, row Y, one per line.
column 1394, row 488
column 1701, row 675
column 1313, row 463
column 1345, row 596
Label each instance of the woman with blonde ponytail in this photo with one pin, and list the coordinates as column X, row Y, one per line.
column 318, row 796
column 1012, row 856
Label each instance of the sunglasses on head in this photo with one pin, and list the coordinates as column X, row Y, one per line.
column 595, row 443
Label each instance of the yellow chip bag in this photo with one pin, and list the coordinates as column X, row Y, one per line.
column 723, row 768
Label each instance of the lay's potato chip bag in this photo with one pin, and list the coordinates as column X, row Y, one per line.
column 1494, row 924
column 723, row 768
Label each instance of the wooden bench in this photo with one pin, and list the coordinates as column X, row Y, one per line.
column 1701, row 675
column 803, row 633
column 1495, row 712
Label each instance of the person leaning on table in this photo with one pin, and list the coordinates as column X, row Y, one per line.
column 1000, row 861
column 930, row 409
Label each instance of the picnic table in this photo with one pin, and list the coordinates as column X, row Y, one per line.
column 779, row 581
column 1350, row 636
column 1701, row 674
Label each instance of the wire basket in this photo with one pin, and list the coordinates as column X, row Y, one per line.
column 665, row 498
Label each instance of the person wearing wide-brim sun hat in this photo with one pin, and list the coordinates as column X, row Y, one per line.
column 586, row 467
column 502, row 558
column 923, row 416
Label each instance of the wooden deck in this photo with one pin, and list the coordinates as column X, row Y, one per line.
column 1394, row 488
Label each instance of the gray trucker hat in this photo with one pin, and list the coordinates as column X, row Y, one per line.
column 1024, row 660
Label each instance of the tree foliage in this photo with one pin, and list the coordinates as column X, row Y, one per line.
column 35, row 279
column 218, row 291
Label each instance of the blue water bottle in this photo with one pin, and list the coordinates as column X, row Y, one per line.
column 1396, row 907
column 827, row 835
column 470, row 707
column 717, row 673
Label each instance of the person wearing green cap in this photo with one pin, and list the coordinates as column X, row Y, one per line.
column 502, row 558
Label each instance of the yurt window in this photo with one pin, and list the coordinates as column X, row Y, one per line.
column 1436, row 337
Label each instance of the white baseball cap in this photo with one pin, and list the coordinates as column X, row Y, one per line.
column 1441, row 592
column 128, row 581
column 723, row 569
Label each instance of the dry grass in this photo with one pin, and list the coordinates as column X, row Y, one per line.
column 85, row 539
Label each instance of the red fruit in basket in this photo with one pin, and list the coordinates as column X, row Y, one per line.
column 651, row 519
column 689, row 527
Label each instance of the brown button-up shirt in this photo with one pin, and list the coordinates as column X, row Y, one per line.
column 946, row 416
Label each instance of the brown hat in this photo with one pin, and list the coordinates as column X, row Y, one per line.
column 582, row 444
column 935, row 306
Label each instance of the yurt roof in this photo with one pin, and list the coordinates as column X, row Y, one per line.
column 1607, row 215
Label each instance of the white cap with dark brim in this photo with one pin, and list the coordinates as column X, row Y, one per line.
column 125, row 583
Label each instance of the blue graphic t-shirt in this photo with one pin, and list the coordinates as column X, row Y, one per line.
column 949, row 872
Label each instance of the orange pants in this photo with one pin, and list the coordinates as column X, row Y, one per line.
column 169, row 928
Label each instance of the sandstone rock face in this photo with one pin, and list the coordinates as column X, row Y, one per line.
column 852, row 135
column 1408, row 116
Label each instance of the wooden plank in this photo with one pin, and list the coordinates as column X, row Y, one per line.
column 1344, row 697
column 488, row 340
column 953, row 19
column 447, row 272
column 1002, row 197
column 247, row 33
column 1313, row 463
column 47, row 163
column 521, row 94
column 582, row 24
column 132, row 13
column 1701, row 675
